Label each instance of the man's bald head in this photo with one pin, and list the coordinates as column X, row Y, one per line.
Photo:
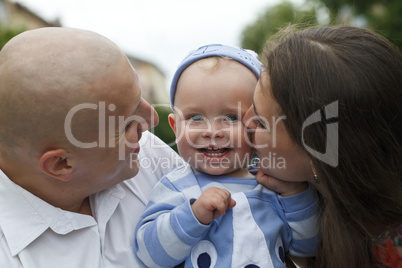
column 46, row 72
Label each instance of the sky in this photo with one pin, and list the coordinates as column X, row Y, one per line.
column 159, row 31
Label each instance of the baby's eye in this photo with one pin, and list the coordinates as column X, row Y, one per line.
column 231, row 118
column 196, row 117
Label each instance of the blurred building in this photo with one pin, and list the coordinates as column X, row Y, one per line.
column 152, row 78
column 17, row 16
column 152, row 81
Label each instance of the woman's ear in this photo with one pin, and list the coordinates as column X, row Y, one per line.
column 56, row 164
column 315, row 178
column 172, row 122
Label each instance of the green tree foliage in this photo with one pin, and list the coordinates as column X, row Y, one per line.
column 255, row 35
column 389, row 23
column 6, row 33
column 383, row 16
column 163, row 129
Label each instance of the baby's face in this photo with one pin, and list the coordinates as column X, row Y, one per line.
column 209, row 106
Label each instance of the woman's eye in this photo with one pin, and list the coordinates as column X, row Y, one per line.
column 259, row 124
column 196, row 117
column 231, row 118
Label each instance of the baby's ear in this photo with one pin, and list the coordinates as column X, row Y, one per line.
column 172, row 122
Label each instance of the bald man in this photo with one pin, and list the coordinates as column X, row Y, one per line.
column 71, row 118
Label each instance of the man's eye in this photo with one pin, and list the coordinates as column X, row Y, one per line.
column 129, row 124
column 231, row 118
column 196, row 118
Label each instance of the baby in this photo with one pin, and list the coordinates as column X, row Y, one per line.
column 212, row 212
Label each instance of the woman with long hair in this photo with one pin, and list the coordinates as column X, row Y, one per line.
column 329, row 105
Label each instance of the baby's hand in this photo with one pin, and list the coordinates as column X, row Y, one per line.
column 212, row 203
column 284, row 188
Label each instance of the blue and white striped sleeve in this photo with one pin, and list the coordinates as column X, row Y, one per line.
column 301, row 213
column 168, row 229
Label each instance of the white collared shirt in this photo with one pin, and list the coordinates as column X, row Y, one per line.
column 35, row 234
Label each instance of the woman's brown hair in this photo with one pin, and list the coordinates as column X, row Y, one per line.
column 361, row 73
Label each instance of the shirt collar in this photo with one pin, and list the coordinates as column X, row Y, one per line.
column 24, row 217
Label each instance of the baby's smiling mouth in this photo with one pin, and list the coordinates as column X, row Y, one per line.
column 214, row 151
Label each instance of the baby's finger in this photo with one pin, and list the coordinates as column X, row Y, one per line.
column 269, row 182
column 223, row 203
column 232, row 203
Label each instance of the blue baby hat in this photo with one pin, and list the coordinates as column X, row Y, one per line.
column 247, row 57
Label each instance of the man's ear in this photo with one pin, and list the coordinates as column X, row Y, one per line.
column 172, row 122
column 56, row 164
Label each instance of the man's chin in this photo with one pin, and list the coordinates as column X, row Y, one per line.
column 131, row 173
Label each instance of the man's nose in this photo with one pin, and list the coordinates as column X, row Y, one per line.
column 149, row 115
